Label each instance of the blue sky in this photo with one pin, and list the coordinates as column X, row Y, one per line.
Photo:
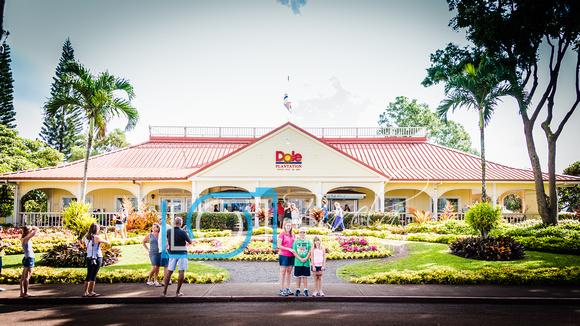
column 226, row 63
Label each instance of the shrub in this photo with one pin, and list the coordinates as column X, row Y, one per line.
column 420, row 216
column 74, row 254
column 448, row 213
column 49, row 275
column 483, row 217
column 487, row 275
column 143, row 218
column 500, row 248
column 77, row 219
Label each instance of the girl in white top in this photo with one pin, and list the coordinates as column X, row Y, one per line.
column 317, row 266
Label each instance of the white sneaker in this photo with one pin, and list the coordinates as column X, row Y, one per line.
column 320, row 294
column 150, row 283
column 315, row 294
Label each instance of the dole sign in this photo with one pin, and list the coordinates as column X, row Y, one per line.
column 288, row 161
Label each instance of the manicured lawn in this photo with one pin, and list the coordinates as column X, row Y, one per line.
column 133, row 257
column 428, row 256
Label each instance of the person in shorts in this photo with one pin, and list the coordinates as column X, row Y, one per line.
column 28, row 261
column 176, row 240
column 302, row 252
column 2, row 246
column 286, row 256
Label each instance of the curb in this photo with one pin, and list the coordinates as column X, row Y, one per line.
column 236, row 299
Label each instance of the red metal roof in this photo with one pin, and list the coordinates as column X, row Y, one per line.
column 180, row 158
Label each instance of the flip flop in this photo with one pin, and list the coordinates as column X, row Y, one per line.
column 94, row 295
column 163, row 296
column 179, row 294
column 85, row 295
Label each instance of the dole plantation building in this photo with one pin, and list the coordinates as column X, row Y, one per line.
column 368, row 169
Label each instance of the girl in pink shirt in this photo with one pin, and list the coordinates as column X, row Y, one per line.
column 317, row 266
column 286, row 256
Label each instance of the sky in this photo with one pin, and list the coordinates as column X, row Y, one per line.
column 229, row 63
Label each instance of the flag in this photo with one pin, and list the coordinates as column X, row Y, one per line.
column 287, row 103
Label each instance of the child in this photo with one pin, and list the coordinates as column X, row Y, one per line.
column 318, row 263
column 302, row 251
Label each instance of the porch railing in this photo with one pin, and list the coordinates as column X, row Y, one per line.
column 254, row 132
column 54, row 219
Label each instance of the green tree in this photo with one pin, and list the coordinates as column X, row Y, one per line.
column 62, row 130
column 112, row 141
column 483, row 217
column 478, row 88
column 405, row 113
column 569, row 197
column 94, row 98
column 7, row 112
column 17, row 154
column 529, row 36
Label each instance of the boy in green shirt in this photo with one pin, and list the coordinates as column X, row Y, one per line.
column 302, row 252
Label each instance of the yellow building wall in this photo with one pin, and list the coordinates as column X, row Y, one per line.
column 415, row 198
column 259, row 159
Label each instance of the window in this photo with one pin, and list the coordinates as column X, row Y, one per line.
column 441, row 202
column 395, row 204
column 66, row 200
column 119, row 201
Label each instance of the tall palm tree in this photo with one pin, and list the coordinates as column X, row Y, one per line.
column 94, row 99
column 479, row 89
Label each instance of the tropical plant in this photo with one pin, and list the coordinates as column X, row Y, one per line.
column 74, row 255
column 262, row 214
column 316, row 214
column 569, row 197
column 478, row 88
column 448, row 212
column 500, row 248
column 420, row 216
column 483, row 217
column 94, row 98
column 142, row 218
column 77, row 219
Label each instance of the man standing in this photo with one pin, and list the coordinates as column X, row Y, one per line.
column 176, row 240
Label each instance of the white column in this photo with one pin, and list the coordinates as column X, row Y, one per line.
column 382, row 198
column 194, row 196
column 494, row 195
column 319, row 195
column 16, row 218
column 435, row 201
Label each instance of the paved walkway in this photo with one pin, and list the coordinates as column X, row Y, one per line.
column 348, row 292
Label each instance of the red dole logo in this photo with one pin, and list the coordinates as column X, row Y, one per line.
column 285, row 158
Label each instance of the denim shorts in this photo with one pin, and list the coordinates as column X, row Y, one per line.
column 28, row 262
column 155, row 258
column 286, row 261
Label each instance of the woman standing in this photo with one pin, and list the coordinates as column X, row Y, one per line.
column 154, row 254
column 295, row 216
column 286, row 256
column 339, row 214
column 28, row 261
column 124, row 214
column 94, row 258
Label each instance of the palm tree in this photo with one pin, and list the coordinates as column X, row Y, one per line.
column 479, row 89
column 94, row 99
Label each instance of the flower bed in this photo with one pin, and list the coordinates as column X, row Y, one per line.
column 47, row 275
column 261, row 248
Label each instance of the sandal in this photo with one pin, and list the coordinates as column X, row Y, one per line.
column 94, row 295
column 85, row 295
column 158, row 284
column 179, row 294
